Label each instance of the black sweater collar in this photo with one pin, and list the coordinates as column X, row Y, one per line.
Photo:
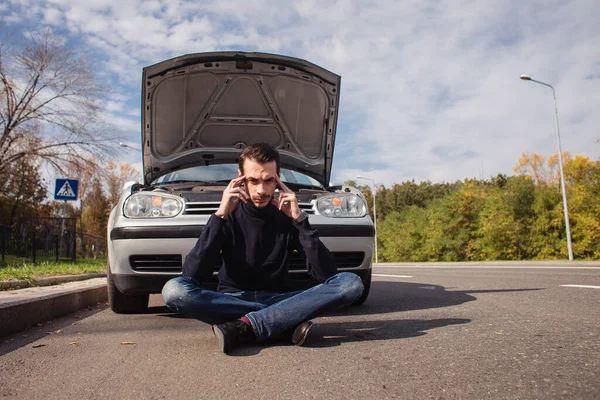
column 266, row 212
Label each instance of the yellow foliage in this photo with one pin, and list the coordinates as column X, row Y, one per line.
column 543, row 171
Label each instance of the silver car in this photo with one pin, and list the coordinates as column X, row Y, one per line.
column 198, row 112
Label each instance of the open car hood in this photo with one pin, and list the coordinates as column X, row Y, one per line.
column 204, row 108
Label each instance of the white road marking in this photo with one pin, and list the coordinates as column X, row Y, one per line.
column 582, row 286
column 448, row 266
column 392, row 276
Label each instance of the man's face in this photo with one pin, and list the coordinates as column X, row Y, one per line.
column 260, row 181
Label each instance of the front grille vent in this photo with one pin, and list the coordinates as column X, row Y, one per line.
column 156, row 263
column 172, row 262
column 346, row 259
column 208, row 208
column 201, row 208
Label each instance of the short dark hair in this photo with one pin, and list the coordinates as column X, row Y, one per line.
column 261, row 153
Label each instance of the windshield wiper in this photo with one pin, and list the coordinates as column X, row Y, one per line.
column 291, row 185
column 299, row 186
column 223, row 180
column 185, row 181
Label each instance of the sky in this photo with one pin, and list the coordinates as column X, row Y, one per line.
column 430, row 89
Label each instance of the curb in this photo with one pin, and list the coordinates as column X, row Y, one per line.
column 48, row 281
column 20, row 314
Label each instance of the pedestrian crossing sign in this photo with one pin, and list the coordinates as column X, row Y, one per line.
column 66, row 189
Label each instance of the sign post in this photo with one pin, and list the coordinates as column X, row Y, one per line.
column 66, row 190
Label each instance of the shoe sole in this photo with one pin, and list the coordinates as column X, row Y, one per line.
column 299, row 337
column 220, row 338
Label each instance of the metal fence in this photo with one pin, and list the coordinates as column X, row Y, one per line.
column 91, row 246
column 39, row 239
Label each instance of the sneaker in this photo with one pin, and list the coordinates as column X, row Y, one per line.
column 233, row 334
column 301, row 333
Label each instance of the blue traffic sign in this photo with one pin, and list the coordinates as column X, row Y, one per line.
column 66, row 189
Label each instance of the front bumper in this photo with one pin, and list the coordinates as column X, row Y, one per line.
column 194, row 231
column 143, row 258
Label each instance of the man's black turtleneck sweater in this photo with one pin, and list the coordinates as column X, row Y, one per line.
column 256, row 244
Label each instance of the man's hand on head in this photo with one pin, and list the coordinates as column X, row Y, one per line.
column 233, row 194
column 287, row 202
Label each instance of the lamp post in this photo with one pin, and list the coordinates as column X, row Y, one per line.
column 374, row 213
column 129, row 147
column 560, row 165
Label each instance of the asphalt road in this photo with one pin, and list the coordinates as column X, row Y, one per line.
column 425, row 332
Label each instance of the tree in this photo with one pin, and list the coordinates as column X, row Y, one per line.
column 22, row 192
column 410, row 193
column 505, row 220
column 116, row 175
column 95, row 216
column 57, row 208
column 543, row 171
column 548, row 227
column 49, row 103
column 402, row 235
column 454, row 223
column 534, row 165
column 583, row 177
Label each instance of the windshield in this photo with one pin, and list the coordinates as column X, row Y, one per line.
column 226, row 172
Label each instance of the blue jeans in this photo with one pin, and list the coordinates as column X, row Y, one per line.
column 270, row 313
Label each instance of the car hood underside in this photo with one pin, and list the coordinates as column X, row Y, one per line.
column 202, row 109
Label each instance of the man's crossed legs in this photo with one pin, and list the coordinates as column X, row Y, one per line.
column 268, row 314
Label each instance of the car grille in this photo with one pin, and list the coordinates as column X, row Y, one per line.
column 156, row 263
column 347, row 259
column 172, row 262
column 207, row 208
column 201, row 208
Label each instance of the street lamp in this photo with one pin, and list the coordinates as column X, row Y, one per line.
column 374, row 212
column 560, row 165
column 129, row 147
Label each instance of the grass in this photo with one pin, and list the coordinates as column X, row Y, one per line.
column 17, row 270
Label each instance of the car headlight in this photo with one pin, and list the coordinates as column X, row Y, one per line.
column 152, row 205
column 342, row 205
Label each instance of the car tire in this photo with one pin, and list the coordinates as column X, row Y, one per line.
column 122, row 303
column 366, row 279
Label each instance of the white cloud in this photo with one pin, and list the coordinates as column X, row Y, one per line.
column 430, row 90
column 128, row 126
column 52, row 16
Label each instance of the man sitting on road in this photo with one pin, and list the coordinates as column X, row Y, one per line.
column 255, row 236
